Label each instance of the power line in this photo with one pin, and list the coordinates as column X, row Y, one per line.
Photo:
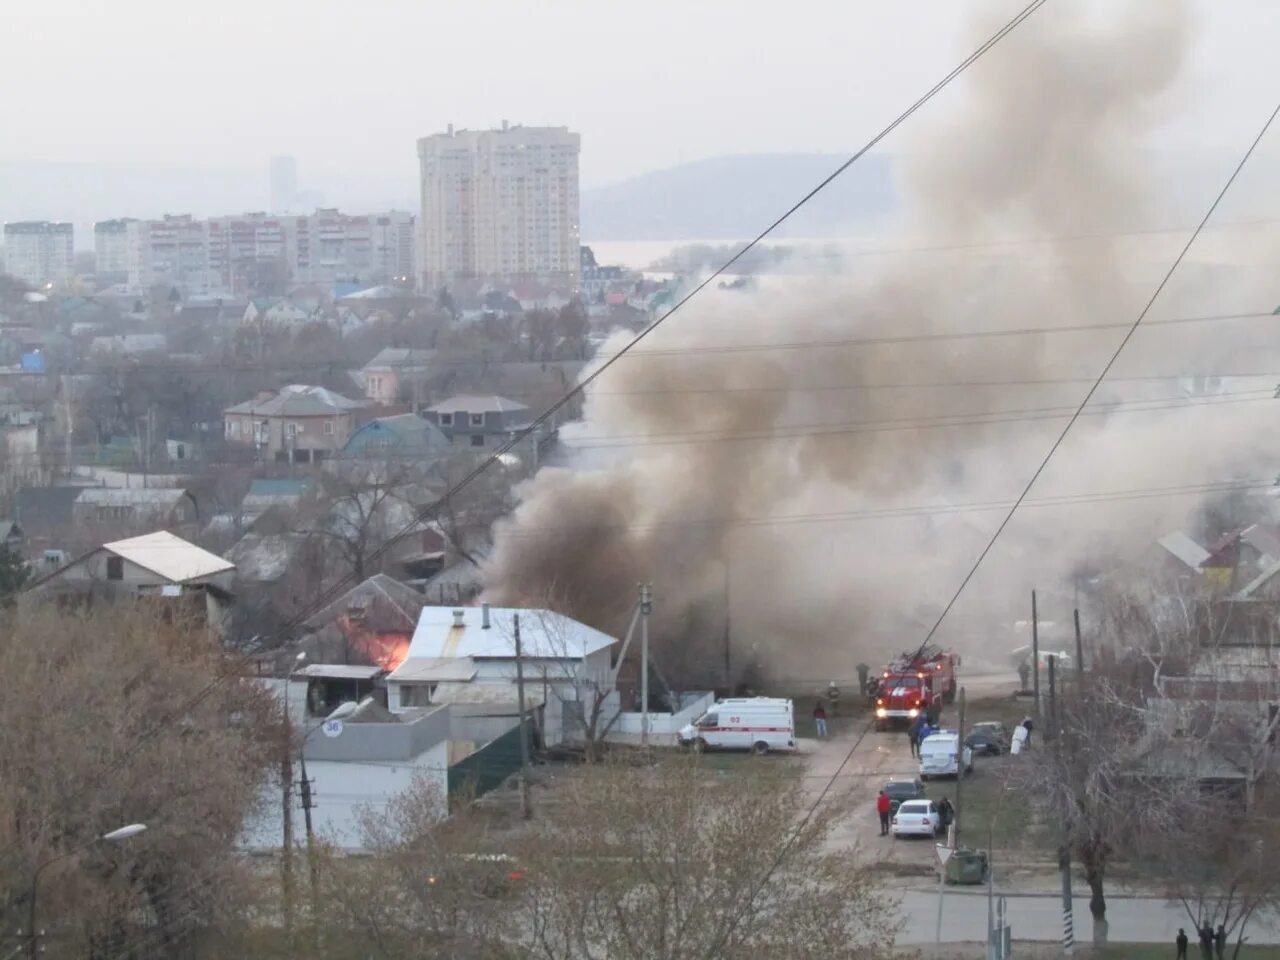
column 1102, row 375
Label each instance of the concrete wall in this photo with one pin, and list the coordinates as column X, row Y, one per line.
column 389, row 742
column 663, row 725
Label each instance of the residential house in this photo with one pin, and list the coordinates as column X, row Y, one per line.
column 370, row 624
column 405, row 438
column 467, row 656
column 275, row 493
column 272, row 311
column 131, row 505
column 398, row 375
column 130, row 345
column 158, row 565
column 480, row 423
column 361, row 761
column 45, row 514
column 297, row 423
column 11, row 534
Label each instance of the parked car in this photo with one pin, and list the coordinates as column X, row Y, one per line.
column 900, row 790
column 916, row 818
column 984, row 743
column 994, row 728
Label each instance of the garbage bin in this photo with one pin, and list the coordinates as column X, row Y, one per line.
column 966, row 866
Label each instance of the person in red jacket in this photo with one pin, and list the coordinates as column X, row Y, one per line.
column 882, row 808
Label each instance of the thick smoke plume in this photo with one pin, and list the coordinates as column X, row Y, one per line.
column 837, row 492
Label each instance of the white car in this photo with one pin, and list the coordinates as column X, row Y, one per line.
column 916, row 818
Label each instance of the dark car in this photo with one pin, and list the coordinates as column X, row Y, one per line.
column 899, row 790
column 986, row 743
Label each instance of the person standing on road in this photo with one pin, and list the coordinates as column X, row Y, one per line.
column 1026, row 725
column 882, row 808
column 1181, row 941
column 820, row 720
column 1220, row 942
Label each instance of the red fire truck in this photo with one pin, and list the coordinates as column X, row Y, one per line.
column 912, row 683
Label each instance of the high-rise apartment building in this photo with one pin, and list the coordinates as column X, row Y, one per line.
column 174, row 252
column 39, row 252
column 111, row 249
column 501, row 205
column 283, row 177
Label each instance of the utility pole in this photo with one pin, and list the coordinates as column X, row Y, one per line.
column 1064, row 852
column 1052, row 724
column 646, row 606
column 286, row 811
column 960, row 769
column 526, row 803
column 304, row 786
column 1035, row 656
column 728, row 664
column 1079, row 649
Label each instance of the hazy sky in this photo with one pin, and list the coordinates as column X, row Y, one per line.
column 347, row 85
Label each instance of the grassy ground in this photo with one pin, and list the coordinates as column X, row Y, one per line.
column 1115, row 951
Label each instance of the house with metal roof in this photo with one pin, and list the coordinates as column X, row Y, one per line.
column 297, row 423
column 467, row 658
column 479, row 422
column 157, row 565
column 162, row 506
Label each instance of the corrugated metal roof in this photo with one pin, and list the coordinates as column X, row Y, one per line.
column 298, row 400
column 338, row 671
column 130, row 496
column 476, row 403
column 544, row 634
column 1184, row 548
column 170, row 557
column 435, row 669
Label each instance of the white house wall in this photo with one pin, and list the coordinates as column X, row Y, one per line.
column 341, row 791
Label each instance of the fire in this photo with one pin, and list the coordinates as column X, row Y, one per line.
column 387, row 650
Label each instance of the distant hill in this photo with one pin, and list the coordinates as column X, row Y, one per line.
column 733, row 197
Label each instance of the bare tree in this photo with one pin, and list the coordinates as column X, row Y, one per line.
column 126, row 716
column 672, row 863
column 361, row 512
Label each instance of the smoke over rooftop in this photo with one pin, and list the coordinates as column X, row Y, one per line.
column 839, row 490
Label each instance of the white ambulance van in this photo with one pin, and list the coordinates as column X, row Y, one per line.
column 759, row 724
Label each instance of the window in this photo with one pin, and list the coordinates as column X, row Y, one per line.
column 477, row 440
column 115, row 568
column 477, row 419
column 446, row 419
column 375, row 384
column 328, row 428
column 709, row 720
column 292, row 430
column 233, row 427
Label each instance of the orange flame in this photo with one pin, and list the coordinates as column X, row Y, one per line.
column 387, row 650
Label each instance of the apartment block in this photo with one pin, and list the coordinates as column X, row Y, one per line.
column 39, row 251
column 111, row 249
column 500, row 205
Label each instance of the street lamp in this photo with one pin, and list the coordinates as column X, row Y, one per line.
column 113, row 836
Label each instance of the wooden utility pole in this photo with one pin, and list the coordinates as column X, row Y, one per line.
column 1054, row 732
column 1035, row 656
column 526, row 802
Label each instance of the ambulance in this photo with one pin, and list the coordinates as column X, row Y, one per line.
column 758, row 724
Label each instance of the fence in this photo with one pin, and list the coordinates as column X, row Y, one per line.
column 487, row 767
column 664, row 725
